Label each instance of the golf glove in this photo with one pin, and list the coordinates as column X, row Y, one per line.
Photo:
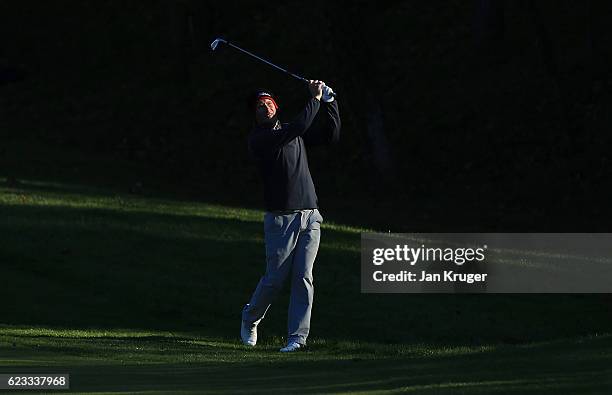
column 327, row 94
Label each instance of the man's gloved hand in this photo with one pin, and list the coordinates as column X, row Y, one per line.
column 327, row 94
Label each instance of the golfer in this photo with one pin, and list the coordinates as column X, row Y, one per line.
column 292, row 222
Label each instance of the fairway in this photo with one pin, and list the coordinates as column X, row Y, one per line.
column 131, row 361
column 131, row 294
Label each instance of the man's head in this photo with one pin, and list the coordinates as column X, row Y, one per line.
column 265, row 107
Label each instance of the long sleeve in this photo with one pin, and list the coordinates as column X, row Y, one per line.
column 272, row 140
column 328, row 129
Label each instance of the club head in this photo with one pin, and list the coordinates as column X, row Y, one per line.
column 215, row 43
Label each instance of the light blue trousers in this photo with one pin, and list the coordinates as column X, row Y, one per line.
column 292, row 242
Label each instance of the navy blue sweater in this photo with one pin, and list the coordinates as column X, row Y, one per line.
column 282, row 159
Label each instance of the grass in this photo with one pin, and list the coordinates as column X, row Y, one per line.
column 132, row 361
column 133, row 294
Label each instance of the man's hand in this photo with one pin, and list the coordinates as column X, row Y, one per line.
column 328, row 94
column 316, row 88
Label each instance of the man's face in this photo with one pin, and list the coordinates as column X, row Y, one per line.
column 265, row 111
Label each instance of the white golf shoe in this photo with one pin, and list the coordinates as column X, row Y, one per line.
column 248, row 333
column 293, row 346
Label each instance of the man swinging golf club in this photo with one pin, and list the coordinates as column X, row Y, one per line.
column 292, row 220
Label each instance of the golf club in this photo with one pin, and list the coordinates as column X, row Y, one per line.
column 218, row 41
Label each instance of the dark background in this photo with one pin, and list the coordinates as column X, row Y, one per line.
column 457, row 115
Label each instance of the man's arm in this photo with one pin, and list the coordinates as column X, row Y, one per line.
column 270, row 141
column 328, row 129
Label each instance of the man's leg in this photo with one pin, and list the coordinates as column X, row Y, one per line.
column 281, row 236
column 302, row 285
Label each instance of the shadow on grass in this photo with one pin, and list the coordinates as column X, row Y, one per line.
column 135, row 266
column 576, row 367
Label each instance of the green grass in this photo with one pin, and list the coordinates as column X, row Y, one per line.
column 131, row 361
column 141, row 294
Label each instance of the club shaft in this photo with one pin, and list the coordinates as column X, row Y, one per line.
column 267, row 62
